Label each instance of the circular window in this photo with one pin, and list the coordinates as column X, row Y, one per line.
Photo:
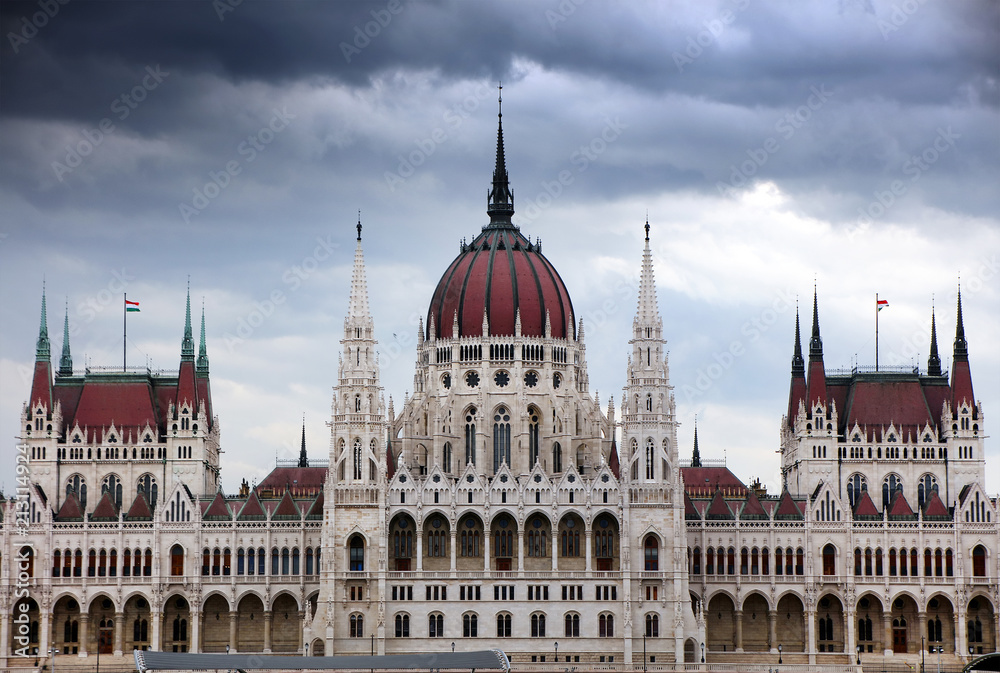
column 537, row 523
column 538, row 478
column 503, row 478
column 604, row 478
column 556, row 380
column 468, row 478
column 603, row 523
column 501, row 378
column 472, row 379
column 933, row 604
column 402, row 523
column 571, row 478
column 898, row 604
column 446, row 381
column 502, row 415
column 864, row 603
column 436, row 523
column 402, row 478
column 469, row 523
column 437, row 478
column 570, row 523
column 503, row 522
column 531, row 379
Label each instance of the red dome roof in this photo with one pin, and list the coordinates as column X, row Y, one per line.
column 502, row 272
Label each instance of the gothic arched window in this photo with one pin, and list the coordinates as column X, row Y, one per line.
column 501, row 438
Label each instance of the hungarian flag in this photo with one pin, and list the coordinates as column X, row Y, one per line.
column 881, row 303
column 131, row 306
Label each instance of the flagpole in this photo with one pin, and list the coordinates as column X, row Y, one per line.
column 124, row 327
column 876, row 331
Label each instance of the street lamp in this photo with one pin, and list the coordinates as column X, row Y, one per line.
column 643, row 652
column 54, row 651
column 779, row 653
column 703, row 653
column 557, row 650
column 453, row 646
column 859, row 655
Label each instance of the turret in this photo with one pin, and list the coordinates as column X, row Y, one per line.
column 817, row 372
column 961, row 374
column 797, row 389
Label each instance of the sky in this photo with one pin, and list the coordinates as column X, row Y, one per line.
column 852, row 146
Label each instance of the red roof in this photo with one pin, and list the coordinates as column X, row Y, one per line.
column 287, row 507
column 501, row 272
column 124, row 403
column 106, row 508
column 719, row 508
column 704, row 481
column 140, row 508
column 934, row 507
column 218, row 508
column 752, row 507
column 961, row 383
column 252, row 507
column 71, row 509
column 613, row 461
column 317, row 507
column 866, row 506
column 302, row 481
column 787, row 507
column 899, row 506
column 689, row 509
column 41, row 385
column 877, row 402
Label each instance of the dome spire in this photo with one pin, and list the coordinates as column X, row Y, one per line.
column 66, row 361
column 187, row 343
column 501, row 203
column 43, row 348
column 934, row 361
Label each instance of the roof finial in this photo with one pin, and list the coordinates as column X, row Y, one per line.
column 501, row 198
column 961, row 345
column 202, row 347
column 66, row 361
column 187, row 343
column 359, row 224
column 303, row 457
column 798, row 363
column 815, row 343
column 43, row 349
column 647, row 226
column 934, row 360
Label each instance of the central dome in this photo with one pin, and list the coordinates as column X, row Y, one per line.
column 501, row 273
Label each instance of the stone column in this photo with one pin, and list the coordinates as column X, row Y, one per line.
column 155, row 642
column 738, row 618
column 84, row 622
column 5, row 618
column 199, row 642
column 851, row 641
column 922, row 633
column 454, row 557
column 486, row 549
column 44, row 633
column 810, row 644
column 194, row 619
column 268, row 616
column 587, row 534
column 555, row 548
column 772, row 630
column 520, row 551
column 233, row 616
column 119, row 632
column 420, row 549
column 887, row 637
column 302, row 618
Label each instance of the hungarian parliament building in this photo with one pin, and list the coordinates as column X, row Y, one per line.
column 501, row 506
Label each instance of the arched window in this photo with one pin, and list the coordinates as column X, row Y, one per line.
column 177, row 560
column 856, row 484
column 147, row 486
column 890, row 485
column 501, row 438
column 275, row 561
column 435, row 625
column 402, row 626
column 470, row 625
column 113, row 485
column 446, row 454
column 78, row 486
column 295, row 560
column 572, row 625
column 261, row 560
column 651, row 553
column 357, row 554
column 537, row 625
column 470, row 436
column 652, row 626
column 532, row 437
column 979, row 561
column 606, row 626
column 251, row 563
column 926, row 486
column 696, row 561
column 358, row 626
column 556, row 457
column 650, row 459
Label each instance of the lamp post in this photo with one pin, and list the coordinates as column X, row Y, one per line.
column 703, row 653
column 557, row 650
column 939, row 649
column 54, row 651
column 923, row 647
column 779, row 653
column 453, row 647
column 859, row 655
column 644, row 653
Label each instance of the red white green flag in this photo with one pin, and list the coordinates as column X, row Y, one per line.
column 882, row 303
column 131, row 306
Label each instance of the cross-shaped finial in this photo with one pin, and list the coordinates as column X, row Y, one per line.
column 647, row 226
column 500, row 99
column 359, row 225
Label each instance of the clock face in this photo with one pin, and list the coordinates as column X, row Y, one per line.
column 472, row 379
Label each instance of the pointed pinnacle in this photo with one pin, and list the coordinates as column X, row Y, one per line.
column 43, row 348
column 66, row 361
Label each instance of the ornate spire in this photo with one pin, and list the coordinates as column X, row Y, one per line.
column 815, row 343
column 961, row 346
column 43, row 349
column 202, row 349
column 501, row 203
column 934, row 361
column 647, row 313
column 303, row 457
column 798, row 363
column 696, row 455
column 358, row 307
column 187, row 344
column 66, row 361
